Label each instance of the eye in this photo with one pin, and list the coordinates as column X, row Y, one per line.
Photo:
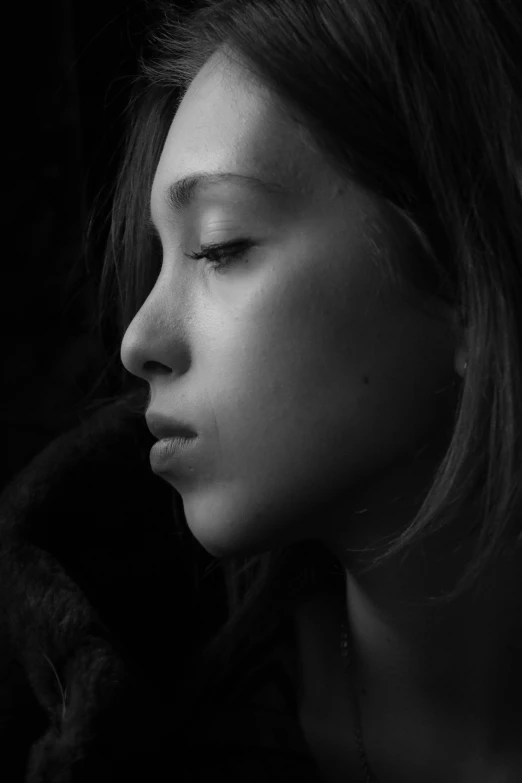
column 221, row 255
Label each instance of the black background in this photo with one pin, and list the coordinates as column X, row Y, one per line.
column 67, row 74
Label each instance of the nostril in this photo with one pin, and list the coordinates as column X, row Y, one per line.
column 156, row 368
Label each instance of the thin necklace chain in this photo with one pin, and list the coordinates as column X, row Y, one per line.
column 369, row 777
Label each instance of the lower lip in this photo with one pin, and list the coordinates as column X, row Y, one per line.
column 166, row 452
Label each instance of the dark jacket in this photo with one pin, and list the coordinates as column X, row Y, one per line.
column 101, row 615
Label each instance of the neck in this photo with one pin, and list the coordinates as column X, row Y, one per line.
column 449, row 674
column 439, row 689
column 458, row 663
column 428, row 679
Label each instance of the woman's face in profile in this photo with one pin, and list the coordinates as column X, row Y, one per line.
column 301, row 367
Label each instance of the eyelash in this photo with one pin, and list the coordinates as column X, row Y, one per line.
column 221, row 255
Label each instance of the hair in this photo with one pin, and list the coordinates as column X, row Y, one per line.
column 419, row 103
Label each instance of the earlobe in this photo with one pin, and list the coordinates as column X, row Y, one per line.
column 461, row 346
column 461, row 362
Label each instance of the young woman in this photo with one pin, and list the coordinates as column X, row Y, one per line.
column 326, row 227
column 317, row 236
column 331, row 309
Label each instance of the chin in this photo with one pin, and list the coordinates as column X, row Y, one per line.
column 227, row 529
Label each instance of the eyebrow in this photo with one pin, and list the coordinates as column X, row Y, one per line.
column 179, row 195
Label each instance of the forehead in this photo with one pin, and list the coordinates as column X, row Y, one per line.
column 227, row 121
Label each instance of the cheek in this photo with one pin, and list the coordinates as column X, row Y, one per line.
column 313, row 335
column 325, row 369
column 308, row 409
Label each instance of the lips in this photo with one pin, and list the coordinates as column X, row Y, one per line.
column 168, row 455
column 165, row 427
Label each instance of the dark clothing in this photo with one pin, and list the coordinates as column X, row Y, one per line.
column 100, row 617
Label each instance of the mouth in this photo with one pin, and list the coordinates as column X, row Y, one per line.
column 163, row 427
column 167, row 454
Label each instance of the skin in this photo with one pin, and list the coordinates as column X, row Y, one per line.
column 323, row 399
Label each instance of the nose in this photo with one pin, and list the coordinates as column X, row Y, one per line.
column 154, row 343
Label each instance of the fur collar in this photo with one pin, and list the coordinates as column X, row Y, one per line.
column 98, row 607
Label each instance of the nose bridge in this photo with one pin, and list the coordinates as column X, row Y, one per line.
column 156, row 334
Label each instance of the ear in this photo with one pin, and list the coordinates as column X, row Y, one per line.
column 461, row 345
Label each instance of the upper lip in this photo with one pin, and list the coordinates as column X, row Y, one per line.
column 164, row 427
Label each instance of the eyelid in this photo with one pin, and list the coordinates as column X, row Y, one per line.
column 222, row 255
